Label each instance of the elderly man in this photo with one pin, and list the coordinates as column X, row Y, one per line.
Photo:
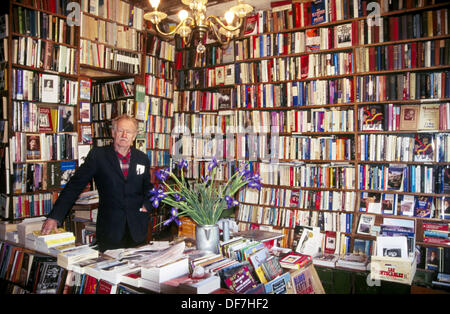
column 121, row 174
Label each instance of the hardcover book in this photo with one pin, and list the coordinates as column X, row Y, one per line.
column 45, row 120
column 423, row 147
column 409, row 117
column 241, row 281
column 373, row 118
column 429, row 117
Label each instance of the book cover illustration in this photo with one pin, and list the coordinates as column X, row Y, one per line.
column 423, row 147
column 395, row 178
column 33, row 147
column 373, row 118
column 423, row 206
column 67, row 171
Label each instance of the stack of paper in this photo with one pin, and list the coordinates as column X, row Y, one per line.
column 74, row 255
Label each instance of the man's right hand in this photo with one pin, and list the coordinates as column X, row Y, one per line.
column 49, row 226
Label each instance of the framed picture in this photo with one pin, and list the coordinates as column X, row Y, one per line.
column 85, row 112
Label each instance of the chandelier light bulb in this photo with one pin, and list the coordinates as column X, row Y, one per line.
column 182, row 15
column 229, row 17
column 154, row 3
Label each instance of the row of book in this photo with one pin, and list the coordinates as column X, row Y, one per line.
column 404, row 178
column 29, row 117
column 287, row 15
column 214, row 55
column 159, row 124
column 301, row 198
column 404, row 205
column 294, row 68
column 437, row 233
column 384, row 29
column 157, row 47
column 402, row 56
column 160, row 68
column 119, row 36
column 101, row 129
column 32, row 177
column 197, row 100
column 296, row 93
column 112, row 90
column 408, row 117
column 427, row 23
column 116, row 10
column 101, row 56
column 408, row 147
column 157, row 141
column 42, row 87
column 42, row 25
column 287, row 218
column 32, row 205
column 198, row 168
column 161, row 87
column 205, row 77
column 40, row 54
column 405, row 86
column 53, row 6
column 159, row 158
column 255, row 121
column 162, row 106
column 43, row 147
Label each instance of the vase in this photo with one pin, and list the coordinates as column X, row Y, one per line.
column 207, row 238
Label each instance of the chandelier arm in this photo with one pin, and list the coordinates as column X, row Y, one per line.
column 212, row 18
column 219, row 37
column 176, row 28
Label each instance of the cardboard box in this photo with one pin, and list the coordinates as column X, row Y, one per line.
column 28, row 226
column 401, row 270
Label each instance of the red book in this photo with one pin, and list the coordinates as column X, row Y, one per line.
column 372, row 58
column 391, row 57
column 414, row 55
column 297, row 12
column 396, row 29
column 294, row 260
column 332, row 8
column 437, row 226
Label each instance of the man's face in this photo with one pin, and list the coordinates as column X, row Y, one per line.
column 124, row 134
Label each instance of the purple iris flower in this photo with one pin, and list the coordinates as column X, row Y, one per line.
column 156, row 195
column 255, row 182
column 179, row 198
column 173, row 213
column 162, row 174
column 230, row 201
column 212, row 164
column 182, row 163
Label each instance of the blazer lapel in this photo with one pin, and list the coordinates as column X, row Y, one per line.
column 132, row 167
column 114, row 161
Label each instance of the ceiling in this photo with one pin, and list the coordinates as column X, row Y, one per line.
column 216, row 7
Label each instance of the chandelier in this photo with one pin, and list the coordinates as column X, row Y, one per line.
column 198, row 24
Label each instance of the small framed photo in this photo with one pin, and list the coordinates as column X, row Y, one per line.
column 85, row 112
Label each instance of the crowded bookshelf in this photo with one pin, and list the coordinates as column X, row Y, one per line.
column 342, row 107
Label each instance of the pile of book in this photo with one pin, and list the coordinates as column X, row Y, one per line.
column 52, row 243
column 436, row 232
column 74, row 255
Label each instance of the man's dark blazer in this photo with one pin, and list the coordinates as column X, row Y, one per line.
column 120, row 199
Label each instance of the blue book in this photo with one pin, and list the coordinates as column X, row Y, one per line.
column 319, row 11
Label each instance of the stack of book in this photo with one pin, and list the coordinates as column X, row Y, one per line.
column 436, row 233
column 43, row 243
column 76, row 254
column 353, row 261
column 186, row 284
column 152, row 277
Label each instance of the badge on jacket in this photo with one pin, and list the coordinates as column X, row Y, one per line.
column 140, row 169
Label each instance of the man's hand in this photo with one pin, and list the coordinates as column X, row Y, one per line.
column 49, row 226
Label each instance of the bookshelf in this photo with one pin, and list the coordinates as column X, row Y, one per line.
column 301, row 94
column 41, row 98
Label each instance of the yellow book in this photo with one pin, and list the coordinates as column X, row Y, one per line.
column 260, row 273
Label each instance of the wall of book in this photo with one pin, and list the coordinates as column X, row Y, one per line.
column 370, row 139
column 112, row 36
column 41, row 104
